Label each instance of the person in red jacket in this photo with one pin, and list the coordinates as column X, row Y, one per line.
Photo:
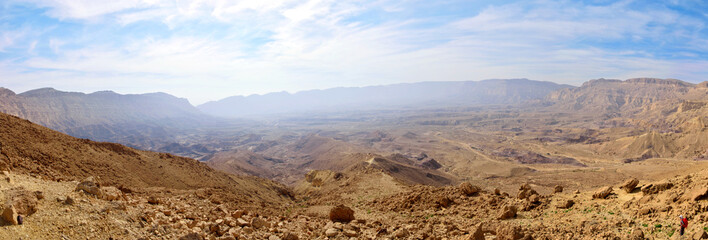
column 684, row 223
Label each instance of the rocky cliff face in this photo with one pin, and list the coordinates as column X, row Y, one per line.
column 106, row 115
column 608, row 95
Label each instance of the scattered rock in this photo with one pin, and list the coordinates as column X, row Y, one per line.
column 637, row 234
column 89, row 186
column 257, row 223
column 443, row 201
column 558, row 189
column 700, row 235
column 331, row 232
column 191, row 236
column 508, row 212
column 39, row 195
column 565, row 204
column 341, row 213
column 656, row 188
column 629, row 185
column 290, row 236
column 9, row 214
column 111, row 193
column 350, row 233
column 153, row 200
column 68, row 200
column 534, row 198
column 506, row 232
column 6, row 177
column 401, row 233
column 241, row 222
column 696, row 193
column 468, row 189
column 525, row 191
column 602, row 193
column 24, row 202
column 476, row 234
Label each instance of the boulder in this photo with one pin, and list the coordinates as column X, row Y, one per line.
column 25, row 202
column 476, row 234
column 656, row 188
column 341, row 213
column 257, row 223
column 534, row 198
column 696, row 193
column 468, row 189
column 153, row 200
column 636, row 234
column 9, row 214
column 602, row 193
column 565, row 204
column 506, row 232
column 700, row 234
column 629, row 185
column 241, row 223
column 507, row 212
column 443, row 201
column 90, row 186
column 558, row 189
column 111, row 193
column 525, row 191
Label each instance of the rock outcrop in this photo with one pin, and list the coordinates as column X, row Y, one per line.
column 341, row 213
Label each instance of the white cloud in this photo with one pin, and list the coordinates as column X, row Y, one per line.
column 309, row 45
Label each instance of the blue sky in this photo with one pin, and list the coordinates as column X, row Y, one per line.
column 210, row 49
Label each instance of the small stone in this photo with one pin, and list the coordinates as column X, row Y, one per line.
column 240, row 222
column 39, row 195
column 331, row 232
column 350, row 233
column 558, row 189
column 20, row 220
column 191, row 236
column 401, row 233
column 89, row 186
column 290, row 236
column 69, row 201
column 153, row 200
column 565, row 204
column 257, row 223
column 468, row 189
column 508, row 212
column 111, row 193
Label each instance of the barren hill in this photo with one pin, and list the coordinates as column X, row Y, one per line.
column 147, row 121
column 609, row 95
column 32, row 149
column 409, row 95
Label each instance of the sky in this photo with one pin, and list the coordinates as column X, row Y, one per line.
column 206, row 50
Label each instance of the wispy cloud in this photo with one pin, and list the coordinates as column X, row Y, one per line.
column 205, row 50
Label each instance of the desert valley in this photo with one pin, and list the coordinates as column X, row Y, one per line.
column 492, row 159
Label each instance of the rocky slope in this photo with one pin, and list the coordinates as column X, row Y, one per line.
column 148, row 121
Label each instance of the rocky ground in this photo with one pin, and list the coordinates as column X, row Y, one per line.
column 85, row 210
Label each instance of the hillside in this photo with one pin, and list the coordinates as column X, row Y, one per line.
column 625, row 97
column 408, row 95
column 28, row 148
column 147, row 121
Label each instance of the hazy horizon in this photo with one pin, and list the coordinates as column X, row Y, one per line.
column 210, row 50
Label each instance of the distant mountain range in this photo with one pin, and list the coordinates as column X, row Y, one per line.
column 407, row 95
column 147, row 121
